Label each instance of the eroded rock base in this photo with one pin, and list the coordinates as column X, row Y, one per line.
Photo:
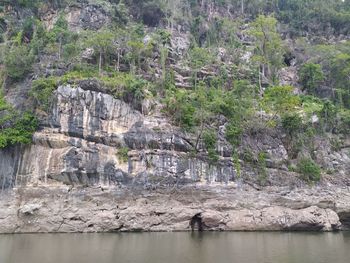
column 221, row 208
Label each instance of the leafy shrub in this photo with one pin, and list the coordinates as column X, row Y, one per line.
column 292, row 123
column 127, row 87
column 42, row 91
column 18, row 61
column 311, row 105
column 192, row 107
column 210, row 139
column 179, row 105
column 186, row 116
column 70, row 50
column 27, row 30
column 78, row 73
column 15, row 127
column 339, row 75
column 248, row 156
column 123, row 154
column 233, row 133
column 309, row 170
column 311, row 75
column 19, row 130
column 344, row 119
column 213, row 156
column 280, row 100
column 134, row 90
column 121, row 15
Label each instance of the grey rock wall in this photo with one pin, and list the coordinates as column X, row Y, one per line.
column 79, row 146
column 72, row 179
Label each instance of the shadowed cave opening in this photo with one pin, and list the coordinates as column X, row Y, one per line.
column 344, row 218
column 288, row 58
column 196, row 222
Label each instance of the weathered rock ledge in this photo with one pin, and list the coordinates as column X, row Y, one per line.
column 214, row 208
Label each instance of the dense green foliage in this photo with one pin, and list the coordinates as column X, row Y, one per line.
column 309, row 170
column 18, row 61
column 226, row 80
column 311, row 76
column 280, row 100
column 292, row 123
column 15, row 127
column 268, row 51
column 210, row 139
column 121, row 85
column 42, row 91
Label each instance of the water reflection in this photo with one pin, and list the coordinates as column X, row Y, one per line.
column 177, row 247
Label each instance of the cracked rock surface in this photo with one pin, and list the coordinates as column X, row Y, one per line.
column 72, row 178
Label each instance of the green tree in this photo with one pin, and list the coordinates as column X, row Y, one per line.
column 40, row 38
column 309, row 170
column 268, row 51
column 292, row 123
column 210, row 139
column 60, row 34
column 163, row 40
column 179, row 105
column 340, row 77
column 14, row 127
column 102, row 41
column 280, row 100
column 42, row 90
column 202, row 111
column 311, row 76
column 18, row 61
column 238, row 106
column 136, row 48
column 199, row 57
column 328, row 116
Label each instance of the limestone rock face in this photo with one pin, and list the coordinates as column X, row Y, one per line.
column 80, row 144
column 99, row 165
column 80, row 16
column 92, row 17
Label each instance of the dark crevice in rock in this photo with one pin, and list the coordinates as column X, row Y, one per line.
column 288, row 59
column 197, row 221
column 344, row 218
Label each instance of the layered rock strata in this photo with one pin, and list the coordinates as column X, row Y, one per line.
column 99, row 165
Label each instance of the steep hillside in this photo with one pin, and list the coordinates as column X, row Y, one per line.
column 166, row 115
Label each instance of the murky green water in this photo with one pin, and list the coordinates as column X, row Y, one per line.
column 177, row 247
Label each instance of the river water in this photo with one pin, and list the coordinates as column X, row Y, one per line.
column 228, row 247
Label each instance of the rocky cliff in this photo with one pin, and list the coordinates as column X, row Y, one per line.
column 103, row 161
column 72, row 178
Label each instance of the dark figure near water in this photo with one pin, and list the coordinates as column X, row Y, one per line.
column 197, row 220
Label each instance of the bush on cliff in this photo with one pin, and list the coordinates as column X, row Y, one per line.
column 311, row 76
column 19, row 131
column 15, row 127
column 18, row 61
column 42, row 91
column 309, row 170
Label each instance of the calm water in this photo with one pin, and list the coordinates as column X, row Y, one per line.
column 177, row 248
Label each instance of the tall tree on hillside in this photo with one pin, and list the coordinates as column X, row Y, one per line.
column 268, row 49
column 199, row 57
column 101, row 41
